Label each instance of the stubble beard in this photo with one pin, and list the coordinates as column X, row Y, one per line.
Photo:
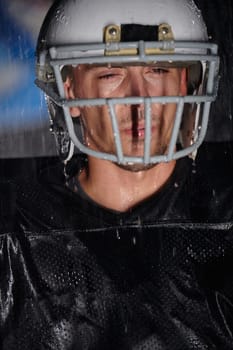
column 135, row 168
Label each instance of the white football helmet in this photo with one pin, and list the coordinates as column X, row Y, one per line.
column 128, row 32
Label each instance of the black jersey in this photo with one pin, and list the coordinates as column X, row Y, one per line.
column 74, row 275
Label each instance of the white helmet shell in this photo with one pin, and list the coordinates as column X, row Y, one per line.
column 82, row 21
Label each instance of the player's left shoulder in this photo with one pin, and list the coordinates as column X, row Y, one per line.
column 212, row 184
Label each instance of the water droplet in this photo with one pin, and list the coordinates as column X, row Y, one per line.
column 69, row 247
column 194, row 167
column 118, row 235
column 139, row 221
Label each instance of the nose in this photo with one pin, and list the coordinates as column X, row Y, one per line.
column 137, row 84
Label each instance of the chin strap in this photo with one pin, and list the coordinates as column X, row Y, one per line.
column 64, row 144
column 58, row 128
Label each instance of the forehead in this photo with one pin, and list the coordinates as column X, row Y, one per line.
column 90, row 67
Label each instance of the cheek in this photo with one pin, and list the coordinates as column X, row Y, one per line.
column 171, row 85
column 163, row 87
column 110, row 89
column 96, row 118
column 156, row 88
column 118, row 87
column 85, row 89
column 168, row 118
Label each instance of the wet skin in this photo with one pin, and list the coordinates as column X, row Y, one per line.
column 91, row 81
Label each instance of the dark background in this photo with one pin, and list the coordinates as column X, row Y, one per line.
column 218, row 16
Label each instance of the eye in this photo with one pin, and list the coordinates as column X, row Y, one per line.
column 107, row 76
column 110, row 73
column 159, row 70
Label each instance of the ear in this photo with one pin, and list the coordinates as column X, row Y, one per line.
column 183, row 82
column 70, row 94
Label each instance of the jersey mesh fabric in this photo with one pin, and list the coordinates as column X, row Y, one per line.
column 77, row 276
column 170, row 289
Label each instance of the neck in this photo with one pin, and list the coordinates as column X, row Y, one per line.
column 120, row 189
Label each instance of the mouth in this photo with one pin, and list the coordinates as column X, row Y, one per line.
column 138, row 132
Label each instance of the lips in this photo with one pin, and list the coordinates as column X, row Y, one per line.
column 137, row 132
column 140, row 133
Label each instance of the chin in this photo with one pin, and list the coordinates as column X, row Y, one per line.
column 136, row 167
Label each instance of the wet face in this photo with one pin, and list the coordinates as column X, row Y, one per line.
column 127, row 81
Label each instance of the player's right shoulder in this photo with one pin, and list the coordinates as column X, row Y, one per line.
column 25, row 203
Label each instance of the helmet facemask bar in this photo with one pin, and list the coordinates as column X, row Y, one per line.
column 94, row 54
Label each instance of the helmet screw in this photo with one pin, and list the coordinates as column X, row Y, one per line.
column 112, row 31
column 164, row 30
column 49, row 76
